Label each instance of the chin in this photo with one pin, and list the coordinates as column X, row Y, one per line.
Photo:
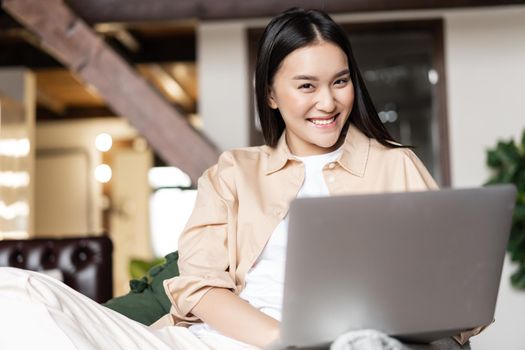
column 328, row 145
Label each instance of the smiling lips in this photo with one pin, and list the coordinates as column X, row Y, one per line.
column 324, row 121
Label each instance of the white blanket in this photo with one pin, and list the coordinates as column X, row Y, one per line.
column 39, row 312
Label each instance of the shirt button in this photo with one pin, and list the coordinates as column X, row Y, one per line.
column 331, row 179
column 331, row 165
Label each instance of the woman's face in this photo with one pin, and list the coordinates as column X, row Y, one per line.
column 313, row 91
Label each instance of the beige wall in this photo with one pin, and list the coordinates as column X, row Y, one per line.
column 64, row 193
column 75, row 135
column 129, row 219
column 66, row 151
column 485, row 63
column 17, row 121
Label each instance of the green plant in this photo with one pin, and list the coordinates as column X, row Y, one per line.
column 507, row 161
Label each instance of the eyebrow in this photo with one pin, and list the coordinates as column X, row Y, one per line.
column 311, row 77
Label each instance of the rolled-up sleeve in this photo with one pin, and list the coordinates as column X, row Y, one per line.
column 203, row 245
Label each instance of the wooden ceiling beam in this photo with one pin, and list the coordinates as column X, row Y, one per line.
column 179, row 47
column 124, row 37
column 49, row 102
column 101, row 11
column 75, row 44
column 16, row 51
column 44, row 113
column 169, row 86
column 6, row 22
column 21, row 53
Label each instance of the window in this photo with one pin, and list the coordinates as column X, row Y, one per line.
column 401, row 64
column 171, row 204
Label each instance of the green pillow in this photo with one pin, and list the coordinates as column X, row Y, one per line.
column 147, row 301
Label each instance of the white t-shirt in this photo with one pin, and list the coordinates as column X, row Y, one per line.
column 265, row 280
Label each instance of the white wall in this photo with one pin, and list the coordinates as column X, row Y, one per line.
column 485, row 64
column 222, row 60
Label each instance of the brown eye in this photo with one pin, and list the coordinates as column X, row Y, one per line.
column 341, row 82
column 306, row 86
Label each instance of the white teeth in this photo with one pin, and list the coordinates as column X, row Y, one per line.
column 322, row 121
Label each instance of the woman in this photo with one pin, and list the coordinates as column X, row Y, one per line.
column 323, row 137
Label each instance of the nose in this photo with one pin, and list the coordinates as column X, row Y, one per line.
column 325, row 100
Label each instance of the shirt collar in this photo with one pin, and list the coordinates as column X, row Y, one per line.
column 355, row 151
column 278, row 155
column 353, row 158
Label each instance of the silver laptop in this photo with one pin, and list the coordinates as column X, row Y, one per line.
column 418, row 266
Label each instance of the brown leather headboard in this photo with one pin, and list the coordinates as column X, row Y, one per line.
column 86, row 263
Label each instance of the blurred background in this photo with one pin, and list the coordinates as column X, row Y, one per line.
column 110, row 110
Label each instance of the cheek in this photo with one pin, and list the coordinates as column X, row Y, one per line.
column 294, row 101
column 346, row 97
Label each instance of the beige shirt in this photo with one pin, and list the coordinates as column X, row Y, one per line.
column 242, row 199
column 247, row 193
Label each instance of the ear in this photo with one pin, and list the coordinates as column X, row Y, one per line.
column 271, row 99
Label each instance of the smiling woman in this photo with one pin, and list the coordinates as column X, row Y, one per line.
column 313, row 92
column 306, row 70
column 318, row 123
column 323, row 137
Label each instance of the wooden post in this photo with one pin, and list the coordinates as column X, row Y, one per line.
column 71, row 41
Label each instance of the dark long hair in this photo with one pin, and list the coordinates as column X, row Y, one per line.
column 294, row 29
